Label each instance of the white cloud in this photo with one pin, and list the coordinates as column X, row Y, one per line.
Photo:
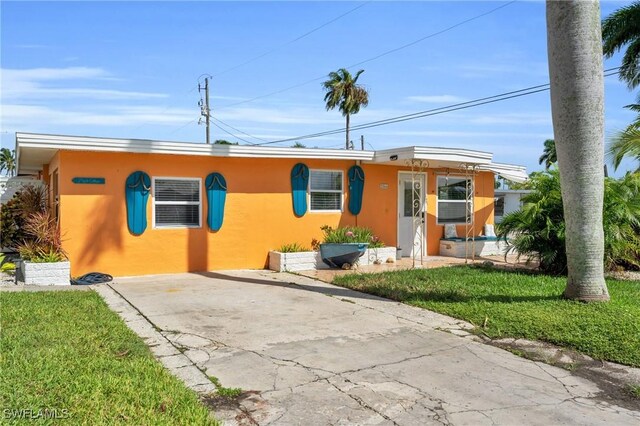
column 278, row 116
column 436, row 99
column 23, row 115
column 513, row 118
column 44, row 74
column 472, row 134
column 32, row 84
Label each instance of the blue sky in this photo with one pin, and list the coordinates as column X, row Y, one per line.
column 130, row 70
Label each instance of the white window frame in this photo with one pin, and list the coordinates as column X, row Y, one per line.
column 438, row 201
column 341, row 191
column 154, row 202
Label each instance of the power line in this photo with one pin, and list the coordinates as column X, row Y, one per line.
column 231, row 134
column 238, row 130
column 388, row 52
column 436, row 111
column 182, row 127
column 248, row 61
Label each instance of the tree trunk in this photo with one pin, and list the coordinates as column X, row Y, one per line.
column 347, row 143
column 574, row 42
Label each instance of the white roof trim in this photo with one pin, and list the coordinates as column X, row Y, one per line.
column 508, row 171
column 454, row 156
column 82, row 143
column 41, row 147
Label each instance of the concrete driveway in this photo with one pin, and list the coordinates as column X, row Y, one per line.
column 309, row 353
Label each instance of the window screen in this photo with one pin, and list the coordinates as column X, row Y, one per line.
column 452, row 203
column 177, row 202
column 325, row 190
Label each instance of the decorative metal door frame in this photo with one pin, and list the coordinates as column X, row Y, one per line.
column 470, row 171
column 419, row 209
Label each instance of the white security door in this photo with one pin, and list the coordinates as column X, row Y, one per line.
column 411, row 204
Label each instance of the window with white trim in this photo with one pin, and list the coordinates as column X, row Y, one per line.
column 177, row 202
column 325, row 190
column 452, row 199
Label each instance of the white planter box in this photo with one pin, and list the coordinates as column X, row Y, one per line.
column 309, row 260
column 381, row 254
column 482, row 248
column 57, row 273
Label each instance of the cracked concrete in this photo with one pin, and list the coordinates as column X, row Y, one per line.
column 309, row 353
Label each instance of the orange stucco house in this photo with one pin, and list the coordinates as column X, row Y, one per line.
column 86, row 178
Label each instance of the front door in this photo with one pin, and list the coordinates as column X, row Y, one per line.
column 411, row 208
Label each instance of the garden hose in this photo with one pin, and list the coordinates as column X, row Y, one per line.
column 92, row 278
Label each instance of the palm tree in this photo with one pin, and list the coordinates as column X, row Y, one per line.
column 8, row 161
column 627, row 142
column 577, row 105
column 344, row 93
column 621, row 29
column 549, row 156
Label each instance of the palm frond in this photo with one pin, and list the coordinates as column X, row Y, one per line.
column 619, row 29
column 625, row 144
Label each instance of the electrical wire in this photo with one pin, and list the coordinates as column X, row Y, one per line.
column 248, row 61
column 238, row 130
column 436, row 111
column 231, row 134
column 388, row 52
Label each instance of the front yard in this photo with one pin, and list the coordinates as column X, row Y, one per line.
column 64, row 354
column 511, row 304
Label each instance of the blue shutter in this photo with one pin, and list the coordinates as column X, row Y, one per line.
column 136, row 190
column 356, row 189
column 299, row 185
column 216, row 187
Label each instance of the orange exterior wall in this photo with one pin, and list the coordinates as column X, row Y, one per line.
column 258, row 213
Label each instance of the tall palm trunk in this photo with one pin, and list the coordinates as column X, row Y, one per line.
column 347, row 142
column 577, row 105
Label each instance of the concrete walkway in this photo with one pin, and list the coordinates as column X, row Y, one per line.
column 308, row 353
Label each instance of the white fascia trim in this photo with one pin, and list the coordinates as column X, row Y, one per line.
column 508, row 171
column 82, row 143
column 435, row 154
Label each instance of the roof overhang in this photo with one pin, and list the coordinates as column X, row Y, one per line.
column 433, row 156
column 508, row 171
column 34, row 150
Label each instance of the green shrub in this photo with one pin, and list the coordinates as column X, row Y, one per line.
column 5, row 265
column 42, row 241
column 28, row 200
column 292, row 248
column 351, row 234
column 537, row 230
column 621, row 222
column 8, row 267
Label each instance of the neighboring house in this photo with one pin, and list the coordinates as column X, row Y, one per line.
column 10, row 185
column 507, row 201
column 251, row 196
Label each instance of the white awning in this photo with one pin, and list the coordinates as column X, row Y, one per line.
column 507, row 171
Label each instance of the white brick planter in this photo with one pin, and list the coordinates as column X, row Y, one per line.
column 308, row 260
column 56, row 273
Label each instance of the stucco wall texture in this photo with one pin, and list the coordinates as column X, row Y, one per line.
column 258, row 213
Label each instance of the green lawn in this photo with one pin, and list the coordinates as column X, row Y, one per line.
column 519, row 305
column 66, row 350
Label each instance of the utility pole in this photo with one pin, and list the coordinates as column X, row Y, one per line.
column 204, row 108
column 362, row 142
